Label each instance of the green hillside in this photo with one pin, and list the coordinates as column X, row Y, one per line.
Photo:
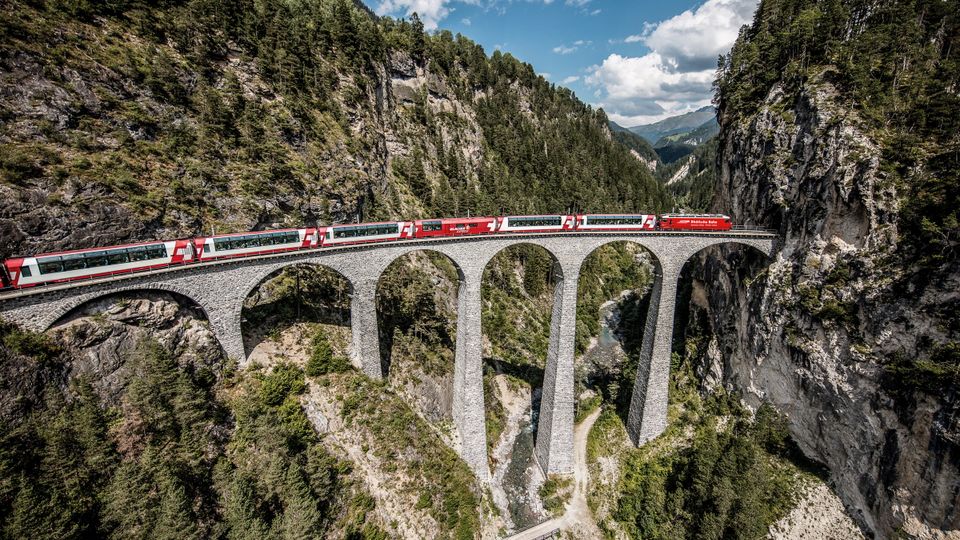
column 634, row 142
column 128, row 121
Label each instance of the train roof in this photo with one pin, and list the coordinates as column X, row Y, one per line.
column 475, row 219
column 228, row 235
column 621, row 214
column 367, row 223
column 93, row 249
column 538, row 215
column 694, row 215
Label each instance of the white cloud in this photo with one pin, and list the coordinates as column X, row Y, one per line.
column 431, row 12
column 568, row 49
column 677, row 74
column 546, row 75
column 571, row 79
column 466, row 21
column 694, row 39
column 596, row 12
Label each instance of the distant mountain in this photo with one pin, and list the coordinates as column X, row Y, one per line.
column 683, row 123
column 692, row 178
column 617, row 128
column 702, row 134
column 637, row 145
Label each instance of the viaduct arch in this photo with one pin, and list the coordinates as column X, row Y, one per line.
column 220, row 288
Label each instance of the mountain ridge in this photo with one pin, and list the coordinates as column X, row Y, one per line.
column 680, row 123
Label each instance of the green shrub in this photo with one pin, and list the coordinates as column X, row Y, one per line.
column 322, row 360
column 723, row 485
column 555, row 493
column 283, row 381
column 932, row 374
column 17, row 165
column 31, row 344
column 587, row 406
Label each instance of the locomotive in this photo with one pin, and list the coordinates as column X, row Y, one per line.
column 92, row 263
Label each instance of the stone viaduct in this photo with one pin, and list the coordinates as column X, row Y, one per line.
column 220, row 289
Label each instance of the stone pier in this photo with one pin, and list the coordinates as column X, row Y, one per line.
column 647, row 417
column 555, row 431
column 468, row 406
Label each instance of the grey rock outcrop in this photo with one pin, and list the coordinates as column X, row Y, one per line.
column 103, row 334
column 813, row 333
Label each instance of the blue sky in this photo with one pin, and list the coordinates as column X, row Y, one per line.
column 638, row 59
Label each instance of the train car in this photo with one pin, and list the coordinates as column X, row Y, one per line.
column 695, row 222
column 616, row 222
column 255, row 243
column 4, row 276
column 528, row 224
column 93, row 263
column 360, row 233
column 429, row 228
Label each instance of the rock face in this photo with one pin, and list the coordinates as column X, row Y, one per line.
column 816, row 332
column 103, row 334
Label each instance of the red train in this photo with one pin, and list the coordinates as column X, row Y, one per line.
column 100, row 262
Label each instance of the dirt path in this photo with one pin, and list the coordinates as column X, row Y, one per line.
column 577, row 519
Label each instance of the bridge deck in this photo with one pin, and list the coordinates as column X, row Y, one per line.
column 426, row 242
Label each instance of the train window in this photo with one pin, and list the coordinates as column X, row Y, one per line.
column 429, row 226
column 73, row 262
column 157, row 252
column 615, row 220
column 137, row 254
column 329, row 234
column 534, row 221
column 50, row 265
column 118, row 256
column 25, row 271
column 365, row 230
column 93, row 260
column 256, row 240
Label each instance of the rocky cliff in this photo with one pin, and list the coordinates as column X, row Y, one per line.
column 851, row 329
